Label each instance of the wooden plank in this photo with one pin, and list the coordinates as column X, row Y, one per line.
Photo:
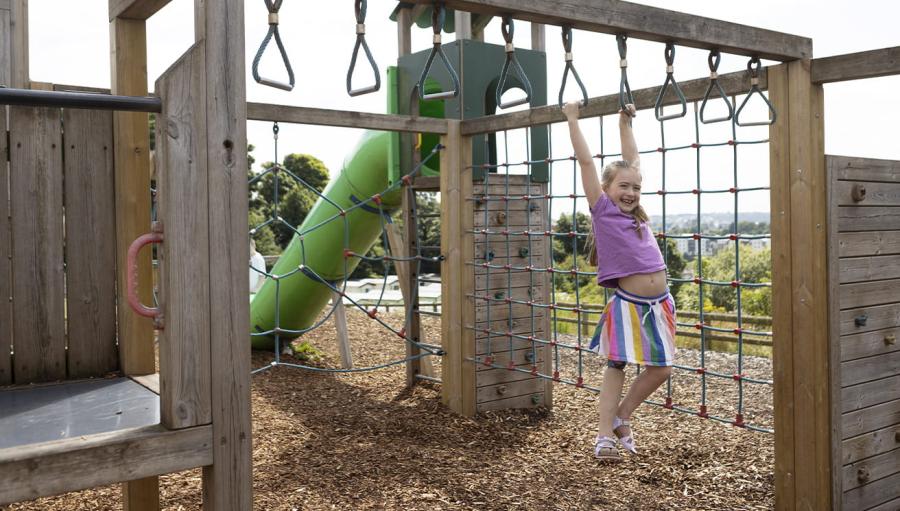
column 340, row 327
column 497, row 278
column 523, row 357
column 132, row 163
column 228, row 482
column 891, row 505
column 876, row 492
column 856, row 66
column 57, row 467
column 871, row 469
column 38, row 282
column 870, row 368
column 90, row 243
column 148, row 381
column 135, row 9
column 693, row 90
column 650, row 23
column 6, row 339
column 343, row 118
column 864, row 294
column 868, row 344
column 851, row 168
column 861, row 218
column 870, row 419
column 869, row 444
column 5, row 242
column 522, row 253
column 506, row 390
column 884, row 316
column 19, row 61
column 863, row 269
column 876, row 194
column 809, row 292
column 855, row 244
column 526, row 401
column 183, row 204
column 871, row 393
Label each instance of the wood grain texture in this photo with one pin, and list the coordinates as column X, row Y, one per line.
column 227, row 484
column 851, row 168
column 862, row 218
column 90, row 243
column 871, row 393
column 184, row 259
column 36, row 190
column 870, row 444
column 868, row 344
column 135, row 9
column 870, row 419
column 865, row 294
column 876, row 194
column 644, row 22
column 876, row 467
column 855, row 244
column 870, row 368
column 863, row 269
column 57, row 467
column 876, row 492
column 857, row 66
column 348, row 119
column 18, row 20
column 883, row 316
column 6, row 339
column 128, row 42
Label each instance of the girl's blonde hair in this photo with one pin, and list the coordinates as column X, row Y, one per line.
column 638, row 213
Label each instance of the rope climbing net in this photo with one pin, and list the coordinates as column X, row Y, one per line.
column 297, row 269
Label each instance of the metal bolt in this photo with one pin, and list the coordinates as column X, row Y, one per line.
column 890, row 339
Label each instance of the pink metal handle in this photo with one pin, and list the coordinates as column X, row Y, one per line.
column 132, row 277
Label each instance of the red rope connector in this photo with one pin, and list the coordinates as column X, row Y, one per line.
column 504, row 198
column 511, row 365
column 555, row 375
column 506, row 266
column 484, row 265
column 347, row 253
column 573, row 271
column 508, row 334
column 571, row 158
column 526, row 197
column 735, row 283
column 731, row 142
column 505, row 232
column 572, row 234
column 548, row 233
column 534, row 370
column 697, row 280
column 485, row 330
column 737, row 377
column 598, row 155
column 696, row 236
column 696, row 191
column 529, row 268
column 661, row 235
column 343, row 213
column 580, row 382
column 660, row 192
column 550, row 270
column 732, row 190
column 739, row 420
column 702, row 412
column 660, row 149
column 738, row 331
column 701, row 370
column 406, row 180
column 372, row 313
column 698, row 326
column 488, row 360
column 695, row 145
column 548, row 196
column 668, row 404
column 733, row 237
column 377, row 199
column 402, row 333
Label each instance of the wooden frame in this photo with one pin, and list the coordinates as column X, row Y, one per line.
column 341, row 118
column 856, row 66
column 644, row 22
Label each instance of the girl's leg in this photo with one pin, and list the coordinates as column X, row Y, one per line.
column 610, row 393
column 648, row 381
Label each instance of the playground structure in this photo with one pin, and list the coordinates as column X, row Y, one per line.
column 835, row 353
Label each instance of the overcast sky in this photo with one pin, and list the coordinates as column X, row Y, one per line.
column 70, row 45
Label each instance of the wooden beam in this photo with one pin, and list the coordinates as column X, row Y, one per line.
column 51, row 468
column 346, row 119
column 856, row 66
column 219, row 27
column 5, row 240
column 694, row 90
column 650, row 23
column 135, row 9
column 18, row 20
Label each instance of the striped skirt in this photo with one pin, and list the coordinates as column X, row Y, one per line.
column 637, row 329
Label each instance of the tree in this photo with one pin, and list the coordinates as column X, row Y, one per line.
column 674, row 263
column 756, row 267
column 563, row 246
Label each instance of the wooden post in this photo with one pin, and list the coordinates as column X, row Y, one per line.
column 458, row 281
column 340, row 326
column 228, row 482
column 538, row 37
column 803, row 428
column 5, row 244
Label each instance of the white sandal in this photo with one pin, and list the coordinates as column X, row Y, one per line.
column 605, row 449
column 627, row 440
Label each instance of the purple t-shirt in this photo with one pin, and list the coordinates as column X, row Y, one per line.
column 620, row 250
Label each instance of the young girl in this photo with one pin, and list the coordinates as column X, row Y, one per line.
column 638, row 323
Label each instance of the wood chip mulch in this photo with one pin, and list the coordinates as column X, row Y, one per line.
column 365, row 441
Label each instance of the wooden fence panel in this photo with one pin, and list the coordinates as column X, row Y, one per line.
column 36, row 188
column 90, row 243
column 5, row 253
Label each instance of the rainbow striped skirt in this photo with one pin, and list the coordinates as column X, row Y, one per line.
column 637, row 329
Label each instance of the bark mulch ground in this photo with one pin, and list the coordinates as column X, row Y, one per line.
column 365, row 441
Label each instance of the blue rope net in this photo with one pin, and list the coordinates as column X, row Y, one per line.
column 569, row 352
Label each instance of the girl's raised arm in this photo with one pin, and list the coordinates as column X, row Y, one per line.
column 626, row 135
column 589, row 179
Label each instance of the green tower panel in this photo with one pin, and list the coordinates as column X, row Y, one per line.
column 478, row 66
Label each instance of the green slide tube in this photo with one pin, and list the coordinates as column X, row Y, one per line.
column 325, row 233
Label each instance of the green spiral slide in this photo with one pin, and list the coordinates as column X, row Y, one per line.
column 296, row 299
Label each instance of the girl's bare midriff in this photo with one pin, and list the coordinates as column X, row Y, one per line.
column 645, row 284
